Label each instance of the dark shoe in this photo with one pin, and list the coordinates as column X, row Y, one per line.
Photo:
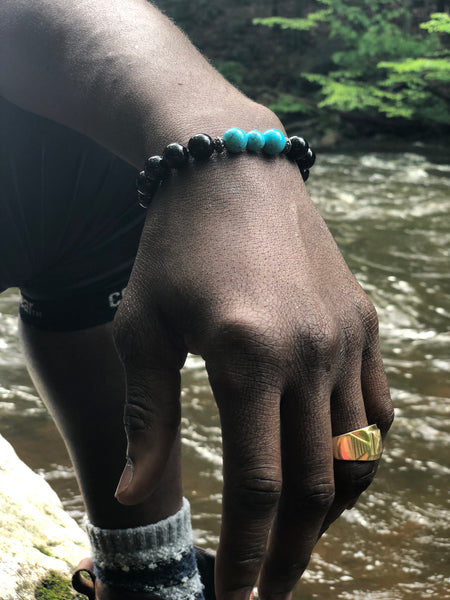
column 95, row 590
column 205, row 563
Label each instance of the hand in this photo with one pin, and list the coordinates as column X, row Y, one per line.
column 235, row 264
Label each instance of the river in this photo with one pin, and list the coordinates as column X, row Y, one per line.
column 389, row 213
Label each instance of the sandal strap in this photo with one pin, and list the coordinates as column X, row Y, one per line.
column 81, row 583
column 86, row 586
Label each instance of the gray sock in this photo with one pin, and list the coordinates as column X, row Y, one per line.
column 156, row 558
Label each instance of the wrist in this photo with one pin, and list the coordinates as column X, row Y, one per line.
column 176, row 124
column 201, row 147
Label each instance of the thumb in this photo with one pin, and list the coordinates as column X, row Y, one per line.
column 152, row 420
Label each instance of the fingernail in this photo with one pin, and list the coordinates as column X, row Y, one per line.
column 126, row 477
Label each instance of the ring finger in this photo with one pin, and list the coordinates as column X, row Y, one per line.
column 348, row 413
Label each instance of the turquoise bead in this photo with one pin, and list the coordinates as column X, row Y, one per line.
column 274, row 141
column 235, row 139
column 255, row 140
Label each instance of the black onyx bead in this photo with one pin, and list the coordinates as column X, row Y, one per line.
column 308, row 161
column 299, row 147
column 146, row 188
column 201, row 146
column 305, row 174
column 175, row 156
column 144, row 185
column 219, row 146
column 156, row 168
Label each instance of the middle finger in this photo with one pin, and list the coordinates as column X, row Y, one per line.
column 308, row 489
column 252, row 483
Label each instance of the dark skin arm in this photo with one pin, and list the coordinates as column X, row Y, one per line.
column 234, row 264
column 119, row 72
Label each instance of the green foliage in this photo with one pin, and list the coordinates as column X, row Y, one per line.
column 421, row 83
column 333, row 63
column 431, row 68
column 439, row 23
column 351, row 96
column 43, row 550
column 384, row 64
column 54, row 587
column 298, row 24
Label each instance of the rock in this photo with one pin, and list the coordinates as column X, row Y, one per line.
column 37, row 537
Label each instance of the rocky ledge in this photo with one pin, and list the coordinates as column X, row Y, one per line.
column 39, row 542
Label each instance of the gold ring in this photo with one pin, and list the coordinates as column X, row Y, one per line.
column 361, row 444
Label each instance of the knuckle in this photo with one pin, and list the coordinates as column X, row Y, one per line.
column 143, row 415
column 353, row 479
column 255, row 492
column 361, row 476
column 319, row 339
column 248, row 329
column 369, row 318
column 137, row 417
column 318, row 496
column 247, row 347
column 248, row 559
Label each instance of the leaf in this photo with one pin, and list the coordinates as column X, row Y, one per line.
column 297, row 24
column 428, row 68
column 439, row 23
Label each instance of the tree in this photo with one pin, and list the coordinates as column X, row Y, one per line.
column 385, row 63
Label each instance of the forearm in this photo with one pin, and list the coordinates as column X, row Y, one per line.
column 119, row 72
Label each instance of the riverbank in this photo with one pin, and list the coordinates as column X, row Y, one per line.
column 353, row 136
column 40, row 544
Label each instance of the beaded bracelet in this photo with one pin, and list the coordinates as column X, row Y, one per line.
column 234, row 140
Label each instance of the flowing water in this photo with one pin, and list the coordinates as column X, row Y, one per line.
column 389, row 213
